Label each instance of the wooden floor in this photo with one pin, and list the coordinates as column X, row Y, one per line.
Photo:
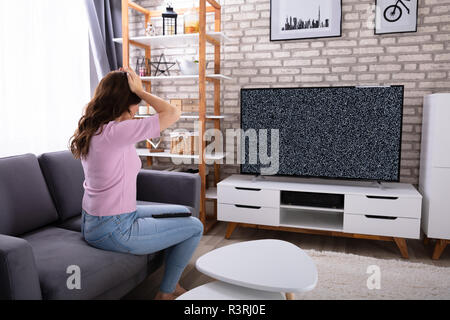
column 191, row 278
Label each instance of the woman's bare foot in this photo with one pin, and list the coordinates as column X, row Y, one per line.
column 179, row 290
column 164, row 296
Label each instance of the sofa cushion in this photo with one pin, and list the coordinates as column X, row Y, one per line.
column 55, row 249
column 25, row 202
column 124, row 288
column 154, row 260
column 73, row 224
column 64, row 176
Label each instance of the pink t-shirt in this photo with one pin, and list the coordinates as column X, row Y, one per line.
column 112, row 165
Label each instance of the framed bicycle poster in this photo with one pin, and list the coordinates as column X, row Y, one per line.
column 396, row 16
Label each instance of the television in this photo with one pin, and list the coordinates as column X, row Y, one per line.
column 323, row 132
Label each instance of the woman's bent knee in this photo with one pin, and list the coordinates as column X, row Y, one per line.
column 197, row 224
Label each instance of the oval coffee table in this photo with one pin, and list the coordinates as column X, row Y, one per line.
column 265, row 265
column 218, row 290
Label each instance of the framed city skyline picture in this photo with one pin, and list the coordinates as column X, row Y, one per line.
column 305, row 19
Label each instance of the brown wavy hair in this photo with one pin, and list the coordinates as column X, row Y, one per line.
column 111, row 99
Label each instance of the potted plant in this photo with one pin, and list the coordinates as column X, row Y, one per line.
column 188, row 66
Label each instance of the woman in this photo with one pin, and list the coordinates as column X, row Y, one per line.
column 104, row 141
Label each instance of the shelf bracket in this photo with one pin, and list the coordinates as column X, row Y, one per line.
column 140, row 45
column 137, row 7
column 214, row 4
column 212, row 80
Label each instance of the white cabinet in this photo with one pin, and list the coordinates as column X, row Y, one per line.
column 250, row 196
column 382, row 226
column 248, row 214
column 406, row 207
column 341, row 207
column 434, row 181
column 440, row 137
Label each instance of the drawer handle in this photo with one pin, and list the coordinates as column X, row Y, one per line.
column 247, row 207
column 248, row 189
column 380, row 217
column 381, row 197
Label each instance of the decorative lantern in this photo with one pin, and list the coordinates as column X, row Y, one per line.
column 169, row 21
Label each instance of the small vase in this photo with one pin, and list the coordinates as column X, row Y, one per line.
column 191, row 21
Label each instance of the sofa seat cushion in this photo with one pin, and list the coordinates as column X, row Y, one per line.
column 154, row 259
column 55, row 249
column 73, row 224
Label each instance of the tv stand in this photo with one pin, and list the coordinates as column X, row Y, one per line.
column 354, row 209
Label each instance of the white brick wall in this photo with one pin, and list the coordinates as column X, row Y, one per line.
column 420, row 61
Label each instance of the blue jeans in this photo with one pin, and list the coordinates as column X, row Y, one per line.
column 140, row 234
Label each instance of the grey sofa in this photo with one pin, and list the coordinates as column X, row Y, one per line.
column 40, row 224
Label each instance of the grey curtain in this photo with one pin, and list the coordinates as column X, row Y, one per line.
column 105, row 23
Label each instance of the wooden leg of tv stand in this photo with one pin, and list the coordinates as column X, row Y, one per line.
column 230, row 229
column 401, row 244
column 439, row 248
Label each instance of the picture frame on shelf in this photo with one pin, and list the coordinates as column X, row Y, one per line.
column 305, row 19
column 143, row 67
column 396, row 16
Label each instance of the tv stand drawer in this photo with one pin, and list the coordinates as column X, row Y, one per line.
column 406, row 207
column 248, row 214
column 248, row 196
column 382, row 225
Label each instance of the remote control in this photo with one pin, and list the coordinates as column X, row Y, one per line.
column 172, row 215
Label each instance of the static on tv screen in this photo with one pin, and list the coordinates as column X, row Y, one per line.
column 329, row 132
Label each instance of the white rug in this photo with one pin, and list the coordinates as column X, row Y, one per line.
column 344, row 276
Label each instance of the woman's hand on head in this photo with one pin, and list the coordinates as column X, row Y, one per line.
column 134, row 81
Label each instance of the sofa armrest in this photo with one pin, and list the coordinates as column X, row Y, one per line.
column 169, row 187
column 19, row 279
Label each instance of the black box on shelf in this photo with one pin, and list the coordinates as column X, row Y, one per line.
column 312, row 199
